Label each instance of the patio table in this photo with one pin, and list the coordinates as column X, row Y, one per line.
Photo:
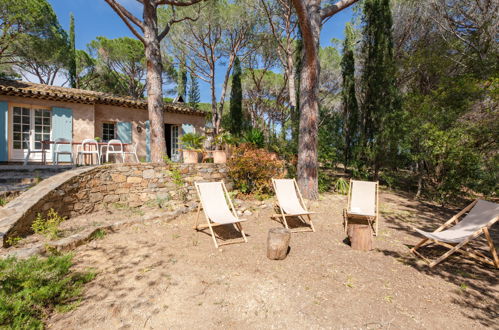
column 46, row 146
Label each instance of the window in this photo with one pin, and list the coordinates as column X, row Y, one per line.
column 108, row 131
column 29, row 127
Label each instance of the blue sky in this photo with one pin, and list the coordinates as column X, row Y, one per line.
column 95, row 18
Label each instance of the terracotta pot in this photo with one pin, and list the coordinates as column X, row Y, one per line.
column 190, row 156
column 219, row 156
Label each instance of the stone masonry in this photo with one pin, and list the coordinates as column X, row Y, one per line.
column 89, row 189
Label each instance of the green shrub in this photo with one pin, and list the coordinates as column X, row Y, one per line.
column 30, row 289
column 49, row 226
column 254, row 137
column 3, row 201
column 341, row 186
column 251, row 169
column 192, row 141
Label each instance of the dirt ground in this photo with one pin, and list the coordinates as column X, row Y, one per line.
column 166, row 275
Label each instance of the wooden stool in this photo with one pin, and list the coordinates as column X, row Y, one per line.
column 278, row 243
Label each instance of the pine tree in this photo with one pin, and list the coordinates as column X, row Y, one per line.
column 182, row 79
column 194, row 95
column 236, row 124
column 349, row 98
column 379, row 91
column 72, row 54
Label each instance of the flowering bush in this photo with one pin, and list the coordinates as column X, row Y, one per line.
column 251, row 169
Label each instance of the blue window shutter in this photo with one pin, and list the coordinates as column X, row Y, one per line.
column 148, row 141
column 62, row 128
column 4, row 131
column 125, row 132
column 188, row 128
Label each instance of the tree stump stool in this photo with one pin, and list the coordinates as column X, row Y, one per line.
column 360, row 235
column 278, row 243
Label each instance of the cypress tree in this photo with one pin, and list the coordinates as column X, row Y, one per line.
column 236, row 101
column 72, row 52
column 182, row 79
column 380, row 95
column 194, row 95
column 349, row 98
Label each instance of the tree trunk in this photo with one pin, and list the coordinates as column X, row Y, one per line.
column 309, row 18
column 154, row 84
column 278, row 243
column 290, row 72
column 214, row 111
column 360, row 236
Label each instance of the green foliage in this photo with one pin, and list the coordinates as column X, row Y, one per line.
column 251, row 169
column 236, row 101
column 182, row 79
column 341, row 186
column 120, row 66
column 3, row 201
column 194, row 93
column 351, row 123
column 72, row 53
column 13, row 240
column 255, row 137
column 31, row 289
column 192, row 141
column 48, row 226
column 381, row 102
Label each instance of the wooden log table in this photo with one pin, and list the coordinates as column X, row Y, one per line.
column 359, row 233
column 278, row 243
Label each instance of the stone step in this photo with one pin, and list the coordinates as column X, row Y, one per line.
column 34, row 168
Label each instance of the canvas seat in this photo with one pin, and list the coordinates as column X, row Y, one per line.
column 290, row 202
column 362, row 203
column 218, row 209
column 481, row 215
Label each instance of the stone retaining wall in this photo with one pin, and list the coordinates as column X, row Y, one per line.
column 85, row 190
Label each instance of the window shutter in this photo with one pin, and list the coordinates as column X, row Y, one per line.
column 188, row 128
column 148, row 141
column 4, row 131
column 62, row 128
column 124, row 132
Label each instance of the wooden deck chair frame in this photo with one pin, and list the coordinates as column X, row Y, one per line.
column 283, row 215
column 372, row 220
column 457, row 248
column 210, row 224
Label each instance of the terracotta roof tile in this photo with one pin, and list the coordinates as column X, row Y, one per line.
column 56, row 93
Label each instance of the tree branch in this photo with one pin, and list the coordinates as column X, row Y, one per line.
column 177, row 3
column 329, row 11
column 128, row 18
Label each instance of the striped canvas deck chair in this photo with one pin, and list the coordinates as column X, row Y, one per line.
column 290, row 202
column 481, row 215
column 215, row 201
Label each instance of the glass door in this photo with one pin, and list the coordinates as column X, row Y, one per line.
column 174, row 143
column 29, row 127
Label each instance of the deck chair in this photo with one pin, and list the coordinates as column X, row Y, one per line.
column 290, row 202
column 481, row 216
column 363, row 203
column 213, row 199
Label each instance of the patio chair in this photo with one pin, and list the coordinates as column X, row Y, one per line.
column 132, row 152
column 214, row 200
column 88, row 147
column 481, row 216
column 290, row 202
column 57, row 150
column 363, row 204
column 113, row 147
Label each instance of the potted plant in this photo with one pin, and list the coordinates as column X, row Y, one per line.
column 222, row 140
column 192, row 143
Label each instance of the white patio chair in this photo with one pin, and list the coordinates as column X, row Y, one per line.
column 481, row 216
column 113, row 147
column 291, row 202
column 89, row 144
column 214, row 200
column 58, row 151
column 132, row 151
column 363, row 200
